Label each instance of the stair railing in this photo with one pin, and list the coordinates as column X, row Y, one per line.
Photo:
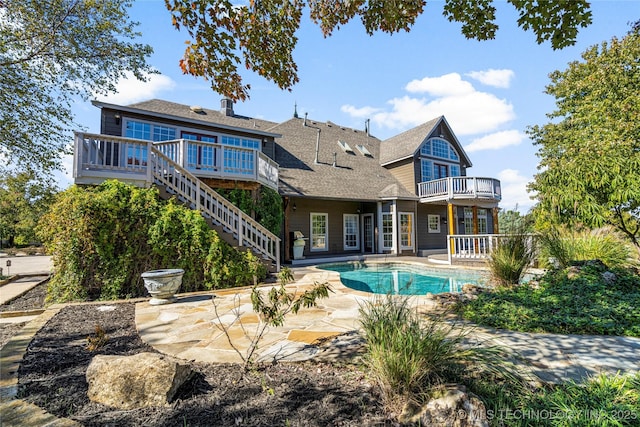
column 179, row 181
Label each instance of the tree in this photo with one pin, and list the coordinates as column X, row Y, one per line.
column 23, row 200
column 51, row 53
column 590, row 151
column 264, row 32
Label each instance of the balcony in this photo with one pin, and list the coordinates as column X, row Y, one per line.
column 100, row 157
column 460, row 188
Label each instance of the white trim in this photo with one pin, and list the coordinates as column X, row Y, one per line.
column 412, row 231
column 364, row 233
column 344, row 232
column 429, row 217
column 382, row 233
column 326, row 232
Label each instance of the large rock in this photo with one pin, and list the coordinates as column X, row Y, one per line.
column 456, row 408
column 128, row 382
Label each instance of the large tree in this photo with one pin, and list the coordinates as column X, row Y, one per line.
column 590, row 150
column 53, row 53
column 23, row 200
column 263, row 33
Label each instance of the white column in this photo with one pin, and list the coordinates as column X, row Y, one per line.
column 394, row 218
column 379, row 223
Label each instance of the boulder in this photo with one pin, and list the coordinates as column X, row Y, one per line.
column 141, row 380
column 456, row 408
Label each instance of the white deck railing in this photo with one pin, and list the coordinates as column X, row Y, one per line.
column 474, row 246
column 460, row 187
column 97, row 156
column 100, row 157
column 210, row 160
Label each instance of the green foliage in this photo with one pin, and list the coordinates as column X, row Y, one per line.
column 509, row 260
column 565, row 246
column 267, row 207
column 512, row 221
column 272, row 310
column 226, row 267
column 589, row 156
column 409, row 356
column 103, row 238
column 51, row 54
column 612, row 400
column 24, row 198
column 224, row 35
column 566, row 301
column 279, row 302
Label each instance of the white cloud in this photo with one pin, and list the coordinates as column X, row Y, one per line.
column 491, row 77
column 514, row 190
column 359, row 112
column 132, row 90
column 448, row 85
column 468, row 110
column 495, row 141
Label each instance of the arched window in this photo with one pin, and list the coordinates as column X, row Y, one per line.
column 438, row 148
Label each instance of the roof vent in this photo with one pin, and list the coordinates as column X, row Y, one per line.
column 345, row 147
column 197, row 109
column 361, row 148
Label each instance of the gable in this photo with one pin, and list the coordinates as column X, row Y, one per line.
column 409, row 143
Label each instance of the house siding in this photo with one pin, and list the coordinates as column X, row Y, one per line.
column 108, row 125
column 428, row 240
column 405, row 172
column 300, row 220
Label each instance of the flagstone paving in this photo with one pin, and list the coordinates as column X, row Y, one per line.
column 191, row 329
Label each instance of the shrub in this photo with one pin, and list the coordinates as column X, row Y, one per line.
column 568, row 301
column 103, row 238
column 512, row 256
column 565, row 246
column 409, row 356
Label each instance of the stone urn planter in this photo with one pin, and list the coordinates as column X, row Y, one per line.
column 162, row 284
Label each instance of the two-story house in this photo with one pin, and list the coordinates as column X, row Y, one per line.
column 345, row 191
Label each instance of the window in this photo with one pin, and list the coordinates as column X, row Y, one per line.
column 351, row 232
column 138, row 130
column 440, row 171
column 468, row 221
column 406, row 230
column 426, row 167
column 455, row 170
column 240, row 142
column 319, row 232
column 434, row 223
column 482, row 221
column 141, row 130
column 387, row 231
column 345, row 147
column 200, row 155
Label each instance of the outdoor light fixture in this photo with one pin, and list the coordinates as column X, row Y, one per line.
column 117, row 117
column 294, row 206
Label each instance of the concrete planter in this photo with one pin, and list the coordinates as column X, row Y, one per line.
column 162, row 284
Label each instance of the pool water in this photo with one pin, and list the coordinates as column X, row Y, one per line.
column 403, row 279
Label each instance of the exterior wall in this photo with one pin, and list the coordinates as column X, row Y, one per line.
column 109, row 125
column 405, row 173
column 425, row 239
column 300, row 220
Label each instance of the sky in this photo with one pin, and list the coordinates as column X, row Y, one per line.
column 489, row 91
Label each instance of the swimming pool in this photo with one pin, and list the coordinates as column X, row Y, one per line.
column 402, row 278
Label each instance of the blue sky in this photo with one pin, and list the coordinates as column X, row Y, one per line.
column 489, row 91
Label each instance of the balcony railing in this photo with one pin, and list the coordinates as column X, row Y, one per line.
column 460, row 187
column 477, row 246
column 102, row 156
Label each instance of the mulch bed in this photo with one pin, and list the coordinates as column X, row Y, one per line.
column 52, row 376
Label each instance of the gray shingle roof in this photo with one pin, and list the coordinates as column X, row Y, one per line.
column 207, row 116
column 355, row 176
column 405, row 144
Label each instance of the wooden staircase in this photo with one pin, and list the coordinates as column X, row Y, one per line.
column 232, row 225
